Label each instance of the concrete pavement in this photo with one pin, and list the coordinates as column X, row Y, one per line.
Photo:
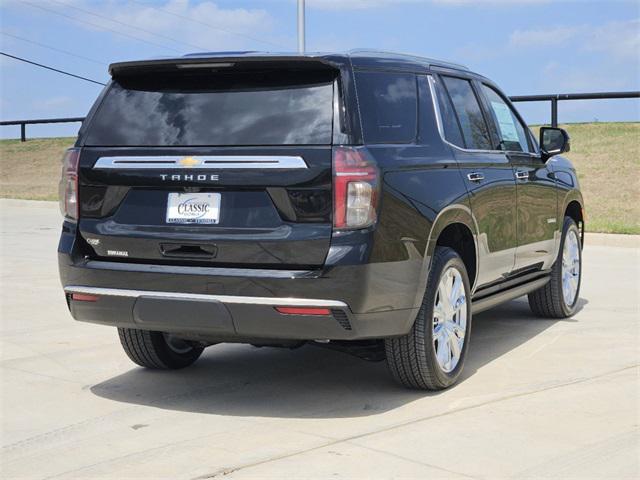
column 539, row 398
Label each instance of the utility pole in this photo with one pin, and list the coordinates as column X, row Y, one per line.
column 300, row 26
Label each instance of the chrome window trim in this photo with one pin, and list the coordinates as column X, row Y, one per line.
column 436, row 109
column 200, row 162
column 274, row 301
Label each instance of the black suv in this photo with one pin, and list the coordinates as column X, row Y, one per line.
column 366, row 201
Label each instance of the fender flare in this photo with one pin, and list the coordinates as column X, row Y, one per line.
column 573, row 195
column 455, row 213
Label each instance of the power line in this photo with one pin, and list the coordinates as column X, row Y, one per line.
column 53, row 48
column 101, row 27
column 52, row 69
column 128, row 25
column 214, row 27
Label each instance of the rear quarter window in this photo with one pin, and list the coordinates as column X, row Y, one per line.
column 388, row 106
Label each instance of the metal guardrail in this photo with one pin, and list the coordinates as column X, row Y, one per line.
column 554, row 99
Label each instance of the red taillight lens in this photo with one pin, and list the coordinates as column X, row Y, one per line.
column 84, row 297
column 355, row 188
column 303, row 311
column 68, row 189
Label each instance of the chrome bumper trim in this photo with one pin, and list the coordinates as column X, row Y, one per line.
column 210, row 271
column 276, row 301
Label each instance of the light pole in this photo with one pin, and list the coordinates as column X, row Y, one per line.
column 300, row 26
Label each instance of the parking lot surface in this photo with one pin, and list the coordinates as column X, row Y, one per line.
column 538, row 398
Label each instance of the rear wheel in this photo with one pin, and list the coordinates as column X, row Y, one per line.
column 559, row 297
column 158, row 350
column 431, row 356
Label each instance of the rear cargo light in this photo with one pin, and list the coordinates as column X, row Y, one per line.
column 84, row 297
column 68, row 188
column 303, row 311
column 355, row 188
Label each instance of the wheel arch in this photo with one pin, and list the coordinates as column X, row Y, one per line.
column 454, row 227
column 573, row 206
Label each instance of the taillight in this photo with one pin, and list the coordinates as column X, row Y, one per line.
column 68, row 189
column 355, row 188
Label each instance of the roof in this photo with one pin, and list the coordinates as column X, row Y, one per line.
column 360, row 59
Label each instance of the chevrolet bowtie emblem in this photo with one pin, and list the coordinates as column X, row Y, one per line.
column 189, row 162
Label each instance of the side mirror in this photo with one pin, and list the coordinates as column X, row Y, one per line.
column 553, row 141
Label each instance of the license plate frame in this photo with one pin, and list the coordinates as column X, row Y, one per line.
column 193, row 208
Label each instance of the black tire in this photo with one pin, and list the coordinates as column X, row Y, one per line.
column 548, row 301
column 412, row 357
column 152, row 350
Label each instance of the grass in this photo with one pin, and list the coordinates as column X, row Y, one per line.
column 607, row 159
column 31, row 169
column 606, row 156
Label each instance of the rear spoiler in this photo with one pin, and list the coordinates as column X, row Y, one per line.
column 217, row 63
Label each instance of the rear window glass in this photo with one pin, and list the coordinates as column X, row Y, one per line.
column 388, row 106
column 465, row 103
column 449, row 120
column 224, row 109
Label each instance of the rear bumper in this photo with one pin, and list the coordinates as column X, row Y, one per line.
column 366, row 300
column 230, row 318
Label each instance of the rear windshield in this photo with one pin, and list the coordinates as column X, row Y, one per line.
column 216, row 109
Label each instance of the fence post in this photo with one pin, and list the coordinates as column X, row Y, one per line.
column 23, row 132
column 554, row 112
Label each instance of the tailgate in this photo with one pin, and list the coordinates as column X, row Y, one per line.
column 273, row 206
column 210, row 168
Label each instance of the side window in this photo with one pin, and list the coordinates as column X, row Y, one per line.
column 513, row 135
column 474, row 129
column 449, row 121
column 388, row 106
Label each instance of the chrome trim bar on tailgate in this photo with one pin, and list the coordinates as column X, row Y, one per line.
column 277, row 301
column 201, row 162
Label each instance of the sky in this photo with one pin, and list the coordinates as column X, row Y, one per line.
column 526, row 46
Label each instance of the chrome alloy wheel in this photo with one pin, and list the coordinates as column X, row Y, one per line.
column 177, row 344
column 449, row 319
column 570, row 268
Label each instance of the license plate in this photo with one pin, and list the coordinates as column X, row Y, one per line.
column 193, row 208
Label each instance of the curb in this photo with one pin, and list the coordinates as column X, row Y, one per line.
column 611, row 240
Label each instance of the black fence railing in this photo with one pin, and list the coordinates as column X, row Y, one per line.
column 554, row 99
column 23, row 123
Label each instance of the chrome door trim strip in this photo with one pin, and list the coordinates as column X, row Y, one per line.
column 200, row 162
column 275, row 301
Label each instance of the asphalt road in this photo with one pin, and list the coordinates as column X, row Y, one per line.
column 539, row 398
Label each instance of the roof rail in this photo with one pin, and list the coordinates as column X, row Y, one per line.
column 431, row 61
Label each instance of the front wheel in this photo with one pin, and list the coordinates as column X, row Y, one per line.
column 158, row 350
column 559, row 297
column 431, row 356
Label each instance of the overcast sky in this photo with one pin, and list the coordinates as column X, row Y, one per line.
column 526, row 46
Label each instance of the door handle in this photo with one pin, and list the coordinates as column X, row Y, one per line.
column 522, row 175
column 475, row 176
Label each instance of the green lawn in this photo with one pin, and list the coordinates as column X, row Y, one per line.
column 607, row 158
column 606, row 155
